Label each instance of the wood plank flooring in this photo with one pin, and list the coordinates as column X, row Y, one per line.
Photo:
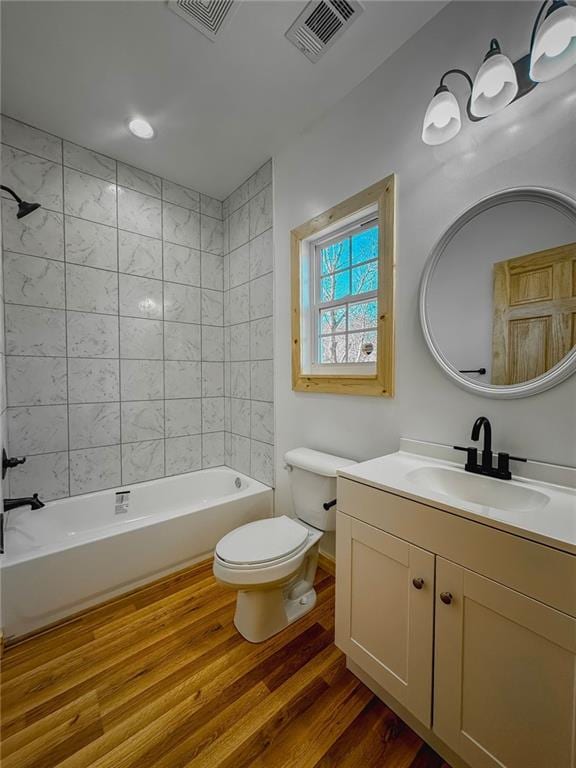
column 160, row 678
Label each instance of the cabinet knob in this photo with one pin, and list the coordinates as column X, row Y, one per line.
column 418, row 583
column 446, row 597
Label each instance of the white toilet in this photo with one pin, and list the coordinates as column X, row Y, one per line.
column 272, row 562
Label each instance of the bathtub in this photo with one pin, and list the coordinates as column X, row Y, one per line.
column 78, row 552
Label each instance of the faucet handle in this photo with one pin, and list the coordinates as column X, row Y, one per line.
column 471, row 455
column 517, row 458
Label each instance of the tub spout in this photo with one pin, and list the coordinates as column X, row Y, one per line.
column 33, row 501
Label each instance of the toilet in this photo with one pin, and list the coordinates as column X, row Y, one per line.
column 272, row 562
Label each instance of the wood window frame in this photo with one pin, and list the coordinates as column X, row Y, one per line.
column 380, row 383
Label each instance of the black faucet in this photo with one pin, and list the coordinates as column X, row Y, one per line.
column 486, row 467
column 33, row 501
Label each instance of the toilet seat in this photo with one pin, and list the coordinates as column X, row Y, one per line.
column 262, row 543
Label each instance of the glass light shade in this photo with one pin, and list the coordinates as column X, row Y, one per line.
column 442, row 120
column 554, row 50
column 495, row 86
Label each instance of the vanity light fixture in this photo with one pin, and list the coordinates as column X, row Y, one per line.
column 141, row 128
column 499, row 81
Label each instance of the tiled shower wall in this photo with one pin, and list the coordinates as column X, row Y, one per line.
column 114, row 320
column 248, row 310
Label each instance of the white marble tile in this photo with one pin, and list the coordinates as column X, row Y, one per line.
column 240, row 380
column 183, row 379
column 181, row 264
column 261, row 297
column 212, row 450
column 262, row 462
column 139, row 255
column 240, row 416
column 174, row 193
column 32, row 140
column 183, row 454
column 261, row 339
column 142, row 421
column 40, row 234
column 227, row 417
column 181, row 226
column 37, row 429
column 91, row 244
column 139, row 180
column 262, row 178
column 212, row 271
column 212, row 379
column 92, row 335
column 36, row 380
column 240, row 342
column 239, row 197
column 140, row 297
column 46, row 475
column 262, row 380
column 139, row 213
column 33, row 281
column 34, row 179
column 94, row 425
column 91, row 290
column 181, row 303
column 183, row 417
column 182, row 341
column 240, row 265
column 89, row 198
column 262, row 422
column 141, row 339
column 93, row 380
column 226, row 308
column 88, row 161
column 211, row 207
column 212, row 307
column 261, row 254
column 142, row 461
column 35, row 331
column 94, row 469
column 240, row 304
column 240, row 454
column 212, row 343
column 239, row 227
column 141, row 379
column 212, row 414
column 211, row 235
column 261, row 212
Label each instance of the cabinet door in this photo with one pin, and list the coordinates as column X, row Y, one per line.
column 383, row 622
column 505, row 674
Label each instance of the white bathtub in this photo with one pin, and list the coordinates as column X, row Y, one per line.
column 81, row 551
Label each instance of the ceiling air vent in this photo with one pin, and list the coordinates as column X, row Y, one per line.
column 208, row 16
column 320, row 24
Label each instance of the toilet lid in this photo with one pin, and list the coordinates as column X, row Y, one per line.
column 262, row 541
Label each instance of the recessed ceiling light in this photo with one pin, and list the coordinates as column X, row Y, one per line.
column 141, row 128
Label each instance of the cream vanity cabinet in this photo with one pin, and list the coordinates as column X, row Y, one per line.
column 470, row 629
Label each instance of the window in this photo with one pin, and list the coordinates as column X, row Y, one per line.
column 342, row 296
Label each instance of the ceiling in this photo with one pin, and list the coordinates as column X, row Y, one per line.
column 80, row 69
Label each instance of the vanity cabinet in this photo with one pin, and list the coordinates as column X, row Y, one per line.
column 484, row 669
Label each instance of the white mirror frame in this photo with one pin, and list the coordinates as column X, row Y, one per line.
column 567, row 366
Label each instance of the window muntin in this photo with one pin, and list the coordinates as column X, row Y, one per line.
column 344, row 301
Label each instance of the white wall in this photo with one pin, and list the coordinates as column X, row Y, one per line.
column 374, row 131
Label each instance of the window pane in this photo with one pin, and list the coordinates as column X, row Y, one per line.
column 362, row 315
column 335, row 287
column 332, row 320
column 365, row 245
column 333, row 349
column 335, row 256
column 365, row 278
column 362, row 347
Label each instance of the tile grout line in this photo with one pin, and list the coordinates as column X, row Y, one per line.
column 68, row 427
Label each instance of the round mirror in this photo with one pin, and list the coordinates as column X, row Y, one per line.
column 498, row 294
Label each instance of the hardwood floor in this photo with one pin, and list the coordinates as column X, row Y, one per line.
column 161, row 679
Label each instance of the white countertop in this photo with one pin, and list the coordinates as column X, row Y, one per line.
column 554, row 524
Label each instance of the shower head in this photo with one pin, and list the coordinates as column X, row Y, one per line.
column 24, row 208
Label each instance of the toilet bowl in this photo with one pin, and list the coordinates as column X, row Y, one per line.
column 272, row 562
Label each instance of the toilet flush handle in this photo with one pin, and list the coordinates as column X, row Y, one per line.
column 329, row 504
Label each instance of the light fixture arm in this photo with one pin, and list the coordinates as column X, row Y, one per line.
column 538, row 19
column 464, row 74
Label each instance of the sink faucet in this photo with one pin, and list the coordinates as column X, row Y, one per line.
column 486, row 467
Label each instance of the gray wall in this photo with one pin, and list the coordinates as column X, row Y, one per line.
column 114, row 320
column 375, row 131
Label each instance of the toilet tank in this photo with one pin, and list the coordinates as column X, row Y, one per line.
column 313, row 483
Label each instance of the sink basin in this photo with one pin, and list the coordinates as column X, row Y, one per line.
column 486, row 491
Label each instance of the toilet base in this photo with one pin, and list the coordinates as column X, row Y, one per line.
column 260, row 614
